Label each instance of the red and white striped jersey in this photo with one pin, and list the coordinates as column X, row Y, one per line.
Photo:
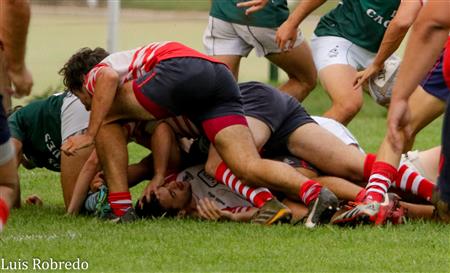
column 203, row 186
column 134, row 63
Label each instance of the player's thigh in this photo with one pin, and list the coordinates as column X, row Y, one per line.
column 232, row 61
column 325, row 151
column 297, row 62
column 236, row 147
column 70, row 169
column 424, row 108
column 337, row 80
column 259, row 130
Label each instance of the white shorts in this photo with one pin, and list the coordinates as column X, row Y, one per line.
column 224, row 38
column 74, row 117
column 339, row 130
column 328, row 50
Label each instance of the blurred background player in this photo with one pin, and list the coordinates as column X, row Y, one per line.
column 14, row 21
column 233, row 31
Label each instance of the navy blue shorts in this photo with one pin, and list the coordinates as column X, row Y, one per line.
column 201, row 90
column 4, row 129
column 434, row 82
column 281, row 112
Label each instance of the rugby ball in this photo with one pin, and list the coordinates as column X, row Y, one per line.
column 380, row 86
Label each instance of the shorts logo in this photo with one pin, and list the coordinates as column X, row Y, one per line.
column 334, row 52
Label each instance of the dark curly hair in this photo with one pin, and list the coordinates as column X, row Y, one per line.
column 79, row 65
column 153, row 209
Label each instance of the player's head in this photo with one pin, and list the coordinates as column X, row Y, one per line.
column 79, row 65
column 167, row 200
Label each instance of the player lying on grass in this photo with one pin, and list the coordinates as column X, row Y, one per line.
column 161, row 80
column 39, row 129
column 188, row 194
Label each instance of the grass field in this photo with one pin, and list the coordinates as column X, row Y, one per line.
column 189, row 245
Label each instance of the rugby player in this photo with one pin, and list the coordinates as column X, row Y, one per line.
column 232, row 34
column 161, row 80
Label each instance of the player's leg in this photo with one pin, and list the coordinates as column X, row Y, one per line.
column 217, row 168
column 299, row 66
column 425, row 108
column 429, row 162
column 337, row 80
column 442, row 200
column 234, row 144
column 221, row 41
column 314, row 144
column 336, row 66
column 111, row 147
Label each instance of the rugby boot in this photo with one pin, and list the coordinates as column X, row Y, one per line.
column 272, row 212
column 322, row 208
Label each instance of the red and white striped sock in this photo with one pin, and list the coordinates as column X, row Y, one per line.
column 411, row 181
column 4, row 213
column 309, row 191
column 383, row 174
column 368, row 165
column 120, row 202
column 257, row 196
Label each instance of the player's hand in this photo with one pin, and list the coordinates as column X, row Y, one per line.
column 286, row 36
column 399, row 128
column 97, row 181
column 252, row 5
column 152, row 186
column 209, row 210
column 364, row 75
column 75, row 143
column 34, row 200
column 22, row 82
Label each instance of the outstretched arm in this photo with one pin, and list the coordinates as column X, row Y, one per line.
column 393, row 37
column 426, row 42
column 105, row 91
column 14, row 21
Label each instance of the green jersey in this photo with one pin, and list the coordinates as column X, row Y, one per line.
column 38, row 127
column 271, row 16
column 362, row 22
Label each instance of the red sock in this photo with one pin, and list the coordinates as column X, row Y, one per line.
column 361, row 195
column 309, row 191
column 368, row 165
column 411, row 181
column 383, row 174
column 257, row 196
column 4, row 212
column 120, row 202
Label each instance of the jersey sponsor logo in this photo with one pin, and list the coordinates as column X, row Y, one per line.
column 207, row 179
column 53, row 150
column 378, row 18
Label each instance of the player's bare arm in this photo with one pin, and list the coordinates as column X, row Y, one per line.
column 105, row 90
column 252, row 5
column 14, row 21
column 395, row 33
column 427, row 39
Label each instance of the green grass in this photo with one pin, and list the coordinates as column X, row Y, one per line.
column 195, row 246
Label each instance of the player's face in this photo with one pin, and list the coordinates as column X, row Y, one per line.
column 174, row 194
column 85, row 98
